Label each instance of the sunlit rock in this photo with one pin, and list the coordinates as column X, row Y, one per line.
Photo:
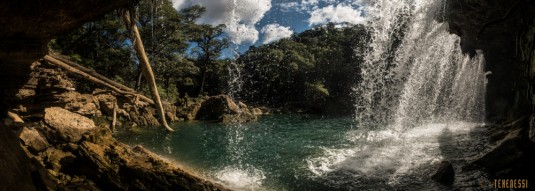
column 223, row 109
column 70, row 126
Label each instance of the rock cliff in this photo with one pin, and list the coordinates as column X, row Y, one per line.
column 505, row 32
column 28, row 25
column 60, row 154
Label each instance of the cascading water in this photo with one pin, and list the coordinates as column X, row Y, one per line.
column 415, row 69
column 418, row 93
column 237, row 173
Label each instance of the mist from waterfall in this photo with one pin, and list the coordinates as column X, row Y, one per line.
column 419, row 98
column 415, row 71
column 237, row 174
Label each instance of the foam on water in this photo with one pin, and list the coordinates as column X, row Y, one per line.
column 240, row 179
column 238, row 174
column 386, row 154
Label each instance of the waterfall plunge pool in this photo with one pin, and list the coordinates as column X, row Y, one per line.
column 307, row 152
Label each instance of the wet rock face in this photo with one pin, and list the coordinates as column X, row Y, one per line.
column 510, row 154
column 505, row 31
column 499, row 28
column 215, row 107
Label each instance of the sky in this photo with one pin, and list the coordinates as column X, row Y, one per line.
column 256, row 22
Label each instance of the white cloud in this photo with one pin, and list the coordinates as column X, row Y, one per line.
column 289, row 6
column 274, row 32
column 240, row 16
column 336, row 14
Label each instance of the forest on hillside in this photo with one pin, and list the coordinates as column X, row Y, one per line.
column 312, row 71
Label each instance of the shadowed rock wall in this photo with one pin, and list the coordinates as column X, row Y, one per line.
column 28, row 25
column 505, row 31
column 499, row 28
column 26, row 28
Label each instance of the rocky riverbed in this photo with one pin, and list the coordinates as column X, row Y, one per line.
column 68, row 150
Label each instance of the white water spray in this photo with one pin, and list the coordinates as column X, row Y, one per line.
column 418, row 89
column 238, row 175
column 415, row 71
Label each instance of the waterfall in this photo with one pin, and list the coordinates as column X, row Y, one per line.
column 418, row 100
column 415, row 71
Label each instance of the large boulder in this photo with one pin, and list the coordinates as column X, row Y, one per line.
column 215, row 107
column 222, row 108
column 70, row 126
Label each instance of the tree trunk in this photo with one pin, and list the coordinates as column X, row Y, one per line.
column 92, row 72
column 94, row 79
column 147, row 70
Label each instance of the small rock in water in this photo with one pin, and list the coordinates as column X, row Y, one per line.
column 444, row 174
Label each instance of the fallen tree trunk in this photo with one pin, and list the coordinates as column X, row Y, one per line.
column 93, row 79
column 147, row 70
column 91, row 72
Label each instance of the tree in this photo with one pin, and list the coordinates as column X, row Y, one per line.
column 313, row 70
column 147, row 70
column 99, row 45
column 209, row 45
column 167, row 33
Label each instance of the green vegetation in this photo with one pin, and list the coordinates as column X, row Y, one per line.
column 314, row 70
column 168, row 36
